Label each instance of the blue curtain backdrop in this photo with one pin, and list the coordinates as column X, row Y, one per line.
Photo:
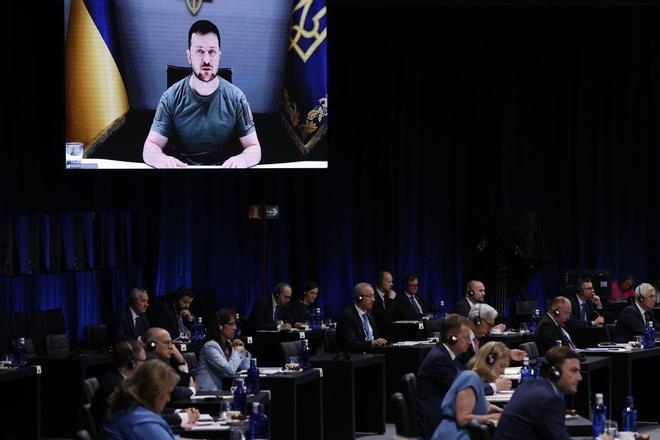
column 534, row 109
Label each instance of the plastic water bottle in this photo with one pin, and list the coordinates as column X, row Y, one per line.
column 20, row 353
column 534, row 320
column 599, row 415
column 240, row 397
column 253, row 377
column 238, row 326
column 258, row 422
column 649, row 335
column 305, row 362
column 441, row 310
column 526, row 370
column 198, row 330
column 629, row 416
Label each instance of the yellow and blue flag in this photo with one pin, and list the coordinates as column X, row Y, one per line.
column 96, row 99
column 305, row 95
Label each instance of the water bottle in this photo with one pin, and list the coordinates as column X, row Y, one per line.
column 534, row 320
column 258, row 422
column 305, row 362
column 240, row 397
column 238, row 326
column 441, row 311
column 558, row 343
column 20, row 353
column 253, row 377
column 197, row 330
column 649, row 335
column 629, row 416
column 525, row 371
column 599, row 415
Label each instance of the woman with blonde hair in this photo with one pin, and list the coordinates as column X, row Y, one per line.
column 465, row 400
column 134, row 408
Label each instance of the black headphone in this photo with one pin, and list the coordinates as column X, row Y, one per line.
column 553, row 373
column 491, row 357
column 471, row 292
column 477, row 319
column 358, row 298
column 221, row 323
column 150, row 346
column 451, row 340
column 556, row 311
column 639, row 294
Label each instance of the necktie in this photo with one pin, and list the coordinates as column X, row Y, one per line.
column 367, row 328
column 415, row 304
column 138, row 325
column 583, row 312
column 276, row 315
column 567, row 337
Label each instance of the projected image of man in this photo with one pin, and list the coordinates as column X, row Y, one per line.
column 202, row 114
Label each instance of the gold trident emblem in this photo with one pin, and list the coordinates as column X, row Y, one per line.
column 194, row 6
column 316, row 34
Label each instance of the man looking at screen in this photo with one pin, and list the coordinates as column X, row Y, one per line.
column 203, row 112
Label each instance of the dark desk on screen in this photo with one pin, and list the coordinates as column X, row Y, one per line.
column 21, row 386
column 266, row 348
column 353, row 394
column 596, row 378
column 62, row 384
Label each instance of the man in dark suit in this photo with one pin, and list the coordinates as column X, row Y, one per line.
column 410, row 305
column 173, row 312
column 158, row 344
column 356, row 328
column 584, row 306
column 437, row 372
column 550, row 328
column 537, row 409
column 385, row 303
column 131, row 322
column 634, row 318
column 128, row 358
column 272, row 312
column 475, row 293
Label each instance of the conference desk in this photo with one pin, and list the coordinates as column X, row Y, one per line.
column 109, row 164
column 353, row 394
column 406, row 331
column 62, row 386
column 21, row 387
column 265, row 345
column 208, row 402
column 596, row 374
column 510, row 339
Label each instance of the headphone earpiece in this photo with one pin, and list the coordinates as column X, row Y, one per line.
column 477, row 319
column 451, row 340
column 639, row 294
column 555, row 374
column 556, row 312
column 491, row 357
column 151, row 345
column 359, row 298
column 471, row 292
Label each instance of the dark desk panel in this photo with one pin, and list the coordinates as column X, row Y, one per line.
column 596, row 378
column 266, row 348
column 21, row 418
column 510, row 340
column 353, row 394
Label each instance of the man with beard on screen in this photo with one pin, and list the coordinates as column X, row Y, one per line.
column 202, row 113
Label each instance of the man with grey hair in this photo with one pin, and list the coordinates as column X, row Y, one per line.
column 132, row 321
column 356, row 328
column 633, row 319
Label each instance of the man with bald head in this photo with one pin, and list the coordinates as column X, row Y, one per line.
column 158, row 344
column 356, row 328
column 633, row 319
column 551, row 328
column 475, row 293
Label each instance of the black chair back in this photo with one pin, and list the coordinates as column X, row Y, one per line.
column 96, row 336
column 477, row 431
column 409, row 389
column 291, row 348
column 531, row 349
column 90, row 385
column 89, row 427
column 177, row 73
column 330, row 340
column 191, row 359
column 401, row 417
column 57, row 345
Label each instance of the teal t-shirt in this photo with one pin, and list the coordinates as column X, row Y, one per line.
column 199, row 127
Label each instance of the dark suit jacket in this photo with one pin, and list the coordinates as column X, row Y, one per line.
column 350, row 331
column 434, row 378
column 575, row 321
column 261, row 317
column 124, row 326
column 406, row 311
column 630, row 323
column 165, row 315
column 384, row 312
column 534, row 412
column 547, row 333
column 462, row 307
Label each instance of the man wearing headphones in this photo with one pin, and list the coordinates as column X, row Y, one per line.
column 584, row 305
column 356, row 327
column 272, row 311
column 385, row 301
column 475, row 293
column 131, row 322
column 158, row 344
column 550, row 328
column 634, row 318
column 537, row 409
column 437, row 372
column 173, row 312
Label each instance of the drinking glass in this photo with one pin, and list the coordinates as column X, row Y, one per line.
column 611, row 428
